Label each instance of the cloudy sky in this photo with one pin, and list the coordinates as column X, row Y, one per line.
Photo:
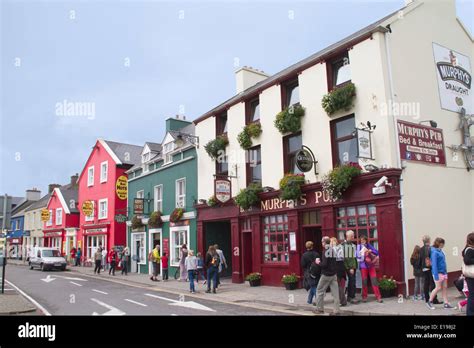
column 138, row 62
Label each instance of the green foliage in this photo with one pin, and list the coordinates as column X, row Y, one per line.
column 212, row 201
column 290, row 186
column 176, row 215
column 386, row 283
column 217, row 146
column 339, row 99
column 290, row 278
column 136, row 223
column 155, row 220
column 289, row 120
column 338, row 180
column 252, row 130
column 253, row 276
column 248, row 196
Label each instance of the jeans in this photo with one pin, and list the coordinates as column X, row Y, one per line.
column 370, row 272
column 78, row 261
column 165, row 274
column 191, row 279
column 351, row 285
column 201, row 273
column 419, row 285
column 98, row 266
column 323, row 284
column 470, row 298
column 212, row 274
column 311, row 294
column 124, row 267
column 112, row 267
column 342, row 287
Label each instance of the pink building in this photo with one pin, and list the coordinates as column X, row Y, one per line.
column 62, row 229
column 103, row 187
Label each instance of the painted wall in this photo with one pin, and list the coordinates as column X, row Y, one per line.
column 34, row 224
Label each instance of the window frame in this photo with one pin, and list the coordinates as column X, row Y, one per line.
column 249, row 168
column 219, row 171
column 183, row 229
column 58, row 214
column 50, row 221
column 220, row 130
column 248, row 111
column 285, row 86
column 330, row 71
column 178, row 197
column 335, row 141
column 356, row 228
column 157, row 201
column 89, row 183
column 99, row 210
column 285, row 241
column 286, row 153
column 102, row 179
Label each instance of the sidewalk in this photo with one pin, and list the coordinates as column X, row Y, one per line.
column 11, row 302
column 277, row 298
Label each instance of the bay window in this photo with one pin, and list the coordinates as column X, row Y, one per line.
column 361, row 219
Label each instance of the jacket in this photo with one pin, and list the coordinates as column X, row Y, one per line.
column 164, row 262
column 209, row 260
column 361, row 258
column 350, row 256
column 340, row 265
column 98, row 255
column 438, row 263
column 328, row 263
column 156, row 255
column 190, row 263
column 112, row 257
column 417, row 266
column 308, row 258
column 425, row 252
column 468, row 256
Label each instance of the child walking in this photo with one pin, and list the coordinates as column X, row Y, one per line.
column 164, row 266
column 465, row 290
column 415, row 261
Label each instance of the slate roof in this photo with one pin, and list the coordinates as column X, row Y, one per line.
column 41, row 203
column 121, row 150
column 70, row 193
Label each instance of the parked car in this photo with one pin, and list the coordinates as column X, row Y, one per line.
column 47, row 259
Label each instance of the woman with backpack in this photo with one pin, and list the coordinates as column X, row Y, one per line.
column 212, row 265
column 468, row 272
column 415, row 261
column 440, row 273
column 310, row 279
column 367, row 257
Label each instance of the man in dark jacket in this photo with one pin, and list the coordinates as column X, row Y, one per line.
column 350, row 264
column 328, row 277
column 310, row 281
column 425, row 254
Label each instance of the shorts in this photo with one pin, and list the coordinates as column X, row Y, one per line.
column 442, row 277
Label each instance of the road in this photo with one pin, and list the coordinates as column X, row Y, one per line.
column 67, row 293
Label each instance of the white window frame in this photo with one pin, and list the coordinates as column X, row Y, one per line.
column 158, row 199
column 167, row 155
column 179, row 197
column 103, row 178
column 185, row 229
column 99, row 210
column 50, row 221
column 91, row 218
column 135, row 236
column 59, row 216
column 141, row 194
column 90, row 180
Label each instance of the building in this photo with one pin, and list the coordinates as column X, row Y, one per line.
column 61, row 230
column 103, row 195
column 165, row 180
column 416, row 178
column 7, row 203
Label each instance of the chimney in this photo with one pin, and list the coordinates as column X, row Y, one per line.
column 33, row 194
column 51, row 187
column 246, row 77
column 74, row 179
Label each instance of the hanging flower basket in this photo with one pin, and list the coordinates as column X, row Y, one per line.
column 290, row 186
column 137, row 223
column 176, row 215
column 155, row 220
column 216, row 147
column 289, row 120
column 248, row 196
column 252, row 130
column 338, row 180
column 212, row 201
column 339, row 99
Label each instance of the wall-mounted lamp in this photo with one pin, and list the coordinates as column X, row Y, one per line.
column 432, row 123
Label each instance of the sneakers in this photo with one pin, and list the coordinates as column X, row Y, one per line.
column 447, row 306
column 354, row 301
column 429, row 304
column 208, row 291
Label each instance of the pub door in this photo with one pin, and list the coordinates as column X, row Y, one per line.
column 313, row 234
column 247, row 253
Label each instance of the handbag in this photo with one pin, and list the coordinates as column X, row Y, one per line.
column 467, row 270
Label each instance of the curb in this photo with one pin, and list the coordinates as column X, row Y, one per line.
column 18, row 312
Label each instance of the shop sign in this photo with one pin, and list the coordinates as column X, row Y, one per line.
column 120, row 218
column 421, row 143
column 316, row 198
column 222, row 190
column 165, row 246
column 453, row 71
column 95, row 230
column 292, row 241
column 15, row 241
column 121, row 187
column 88, row 208
column 305, row 159
column 53, row 234
column 364, row 143
column 45, row 215
column 138, row 206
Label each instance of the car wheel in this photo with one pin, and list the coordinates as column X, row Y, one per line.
column 43, row 268
column 63, row 268
column 31, row 266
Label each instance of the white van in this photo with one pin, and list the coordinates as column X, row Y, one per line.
column 47, row 259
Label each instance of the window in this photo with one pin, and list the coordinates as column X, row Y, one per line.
column 104, row 167
column 291, row 145
column 93, row 243
column 91, row 217
column 141, row 194
column 179, row 236
column 50, row 221
column 275, row 239
column 103, row 208
column 181, row 193
column 290, row 93
column 253, row 111
column 59, row 216
column 17, row 225
column 167, row 155
column 254, row 166
column 344, row 145
column 90, row 176
column 221, row 124
column 222, row 166
column 138, row 248
column 145, row 157
column 338, row 71
column 158, row 195
column 311, row 218
column 361, row 219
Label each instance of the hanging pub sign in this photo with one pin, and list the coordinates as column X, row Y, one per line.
column 305, row 160
column 138, row 206
column 364, row 143
column 222, row 190
column 453, row 70
column 45, row 215
column 421, row 143
column 88, row 208
column 120, row 218
column 121, row 187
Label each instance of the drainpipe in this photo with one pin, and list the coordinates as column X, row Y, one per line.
column 397, row 149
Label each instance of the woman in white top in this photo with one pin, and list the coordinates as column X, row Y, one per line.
column 190, row 263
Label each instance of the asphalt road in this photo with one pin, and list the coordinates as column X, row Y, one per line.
column 63, row 293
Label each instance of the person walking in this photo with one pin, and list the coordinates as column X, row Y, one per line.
column 212, row 265
column 415, row 261
column 468, row 272
column 98, row 260
column 154, row 257
column 307, row 260
column 200, row 268
column 104, row 259
column 78, row 256
column 112, row 259
column 425, row 257
column 183, row 253
column 222, row 265
column 328, row 277
column 350, row 264
column 340, row 271
column 164, row 266
column 191, row 265
column 124, row 260
column 440, row 273
column 367, row 257
column 72, row 255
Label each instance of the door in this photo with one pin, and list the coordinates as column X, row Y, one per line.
column 155, row 238
column 247, row 253
column 314, row 235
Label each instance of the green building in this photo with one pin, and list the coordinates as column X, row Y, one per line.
column 164, row 183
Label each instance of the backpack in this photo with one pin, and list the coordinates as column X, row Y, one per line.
column 215, row 261
column 314, row 270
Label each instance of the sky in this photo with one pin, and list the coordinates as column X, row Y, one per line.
column 135, row 63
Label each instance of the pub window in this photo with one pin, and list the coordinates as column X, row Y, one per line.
column 290, row 93
column 222, row 166
column 221, row 124
column 253, row 110
column 344, row 145
column 275, row 239
column 361, row 219
column 291, row 145
column 312, row 218
column 338, row 71
column 254, row 165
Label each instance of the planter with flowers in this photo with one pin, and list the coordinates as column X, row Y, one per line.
column 339, row 99
column 254, row 279
column 137, row 223
column 289, row 120
column 216, row 147
column 176, row 215
column 387, row 286
column 155, row 220
column 338, row 180
column 290, row 186
column 290, row 281
column 250, row 131
column 248, row 196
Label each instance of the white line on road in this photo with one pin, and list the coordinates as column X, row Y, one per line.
column 76, row 283
column 137, row 303
column 161, row 298
column 100, row 292
column 187, row 304
column 112, row 310
column 32, row 300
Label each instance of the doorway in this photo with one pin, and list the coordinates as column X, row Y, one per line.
column 247, row 253
column 313, row 234
column 154, row 239
column 218, row 232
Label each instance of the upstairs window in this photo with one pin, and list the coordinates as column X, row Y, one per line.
column 344, row 142
column 221, row 124
column 222, row 166
column 90, row 176
column 59, row 216
column 338, row 71
column 50, row 221
column 291, row 145
column 158, row 198
column 104, row 166
column 167, row 152
column 254, row 166
column 103, row 208
column 290, row 93
column 181, row 193
column 253, row 110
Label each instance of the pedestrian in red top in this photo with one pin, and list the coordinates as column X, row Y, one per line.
column 112, row 260
column 164, row 266
column 73, row 255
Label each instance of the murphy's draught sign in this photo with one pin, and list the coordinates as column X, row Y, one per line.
column 454, row 79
